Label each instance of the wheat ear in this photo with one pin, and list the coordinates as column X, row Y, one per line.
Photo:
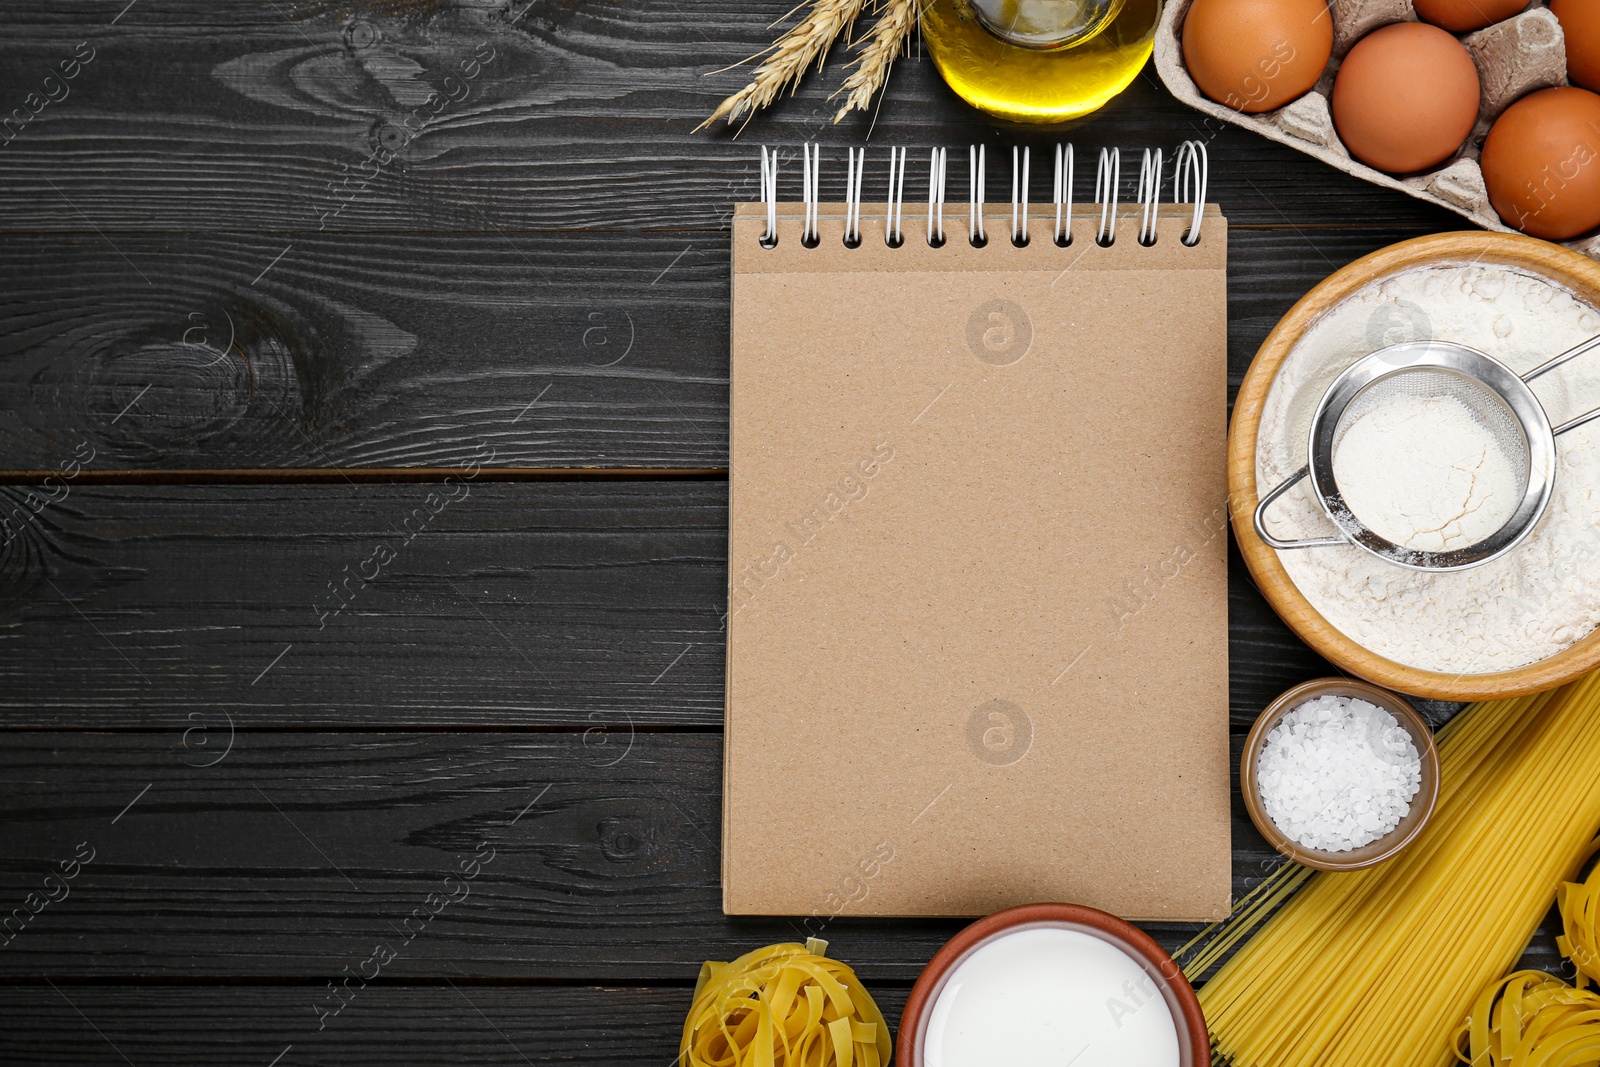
column 878, row 54
column 808, row 42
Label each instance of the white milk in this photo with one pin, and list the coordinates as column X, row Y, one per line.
column 1049, row 997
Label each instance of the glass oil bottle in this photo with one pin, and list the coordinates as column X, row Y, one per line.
column 1039, row 60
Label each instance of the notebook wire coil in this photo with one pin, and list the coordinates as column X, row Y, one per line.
column 893, row 235
column 1019, row 196
column 975, row 196
column 1107, row 181
column 1191, row 172
column 1149, row 195
column 769, row 195
column 811, row 183
column 1063, row 195
column 1190, row 178
column 855, row 170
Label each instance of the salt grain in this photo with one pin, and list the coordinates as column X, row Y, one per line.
column 1337, row 773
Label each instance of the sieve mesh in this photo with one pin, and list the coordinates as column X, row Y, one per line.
column 1485, row 405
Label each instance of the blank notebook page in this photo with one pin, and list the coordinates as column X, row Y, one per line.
column 977, row 618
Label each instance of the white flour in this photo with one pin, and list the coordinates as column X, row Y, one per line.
column 1523, row 607
column 1424, row 472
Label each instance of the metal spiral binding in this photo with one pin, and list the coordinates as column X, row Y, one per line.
column 853, row 173
column 769, row 194
column 1107, row 180
column 1063, row 195
column 975, row 196
column 1191, row 172
column 893, row 235
column 810, row 184
column 1191, row 175
column 1149, row 195
column 1019, row 196
column 938, row 165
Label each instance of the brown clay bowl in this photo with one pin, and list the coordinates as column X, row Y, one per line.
column 1384, row 847
column 1194, row 1045
column 1561, row 265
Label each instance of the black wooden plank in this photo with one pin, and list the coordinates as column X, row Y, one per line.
column 433, row 605
column 517, row 604
column 383, row 1024
column 452, row 1022
column 193, row 114
column 401, row 350
column 297, row 853
column 189, row 350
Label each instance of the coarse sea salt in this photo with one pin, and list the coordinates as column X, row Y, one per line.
column 1337, row 773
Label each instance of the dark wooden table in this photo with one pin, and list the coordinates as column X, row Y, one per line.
column 365, row 473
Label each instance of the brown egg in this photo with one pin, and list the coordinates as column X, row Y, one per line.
column 1580, row 24
column 1405, row 97
column 1541, row 163
column 1256, row 55
column 1464, row 16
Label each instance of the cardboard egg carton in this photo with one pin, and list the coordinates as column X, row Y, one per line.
column 1514, row 58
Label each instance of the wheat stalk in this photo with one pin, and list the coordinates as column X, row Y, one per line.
column 789, row 57
column 878, row 54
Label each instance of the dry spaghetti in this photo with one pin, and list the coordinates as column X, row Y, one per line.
column 1397, row 954
column 785, row 1005
column 1534, row 1019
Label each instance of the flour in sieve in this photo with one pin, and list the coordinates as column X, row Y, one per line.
column 1523, row 607
column 1424, row 472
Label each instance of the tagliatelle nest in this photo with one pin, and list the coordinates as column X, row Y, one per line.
column 785, row 1005
column 809, row 41
column 1534, row 1019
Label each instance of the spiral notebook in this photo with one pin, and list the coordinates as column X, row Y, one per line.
column 977, row 618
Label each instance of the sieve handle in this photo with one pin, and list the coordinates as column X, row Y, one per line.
column 1271, row 498
column 1570, row 354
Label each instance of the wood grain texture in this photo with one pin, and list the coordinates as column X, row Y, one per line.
column 234, row 249
column 462, row 1023
column 504, row 604
column 193, row 350
column 264, row 116
column 1570, row 269
column 296, row 853
column 204, row 351
column 428, row 605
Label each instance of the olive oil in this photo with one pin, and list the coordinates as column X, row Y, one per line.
column 1039, row 60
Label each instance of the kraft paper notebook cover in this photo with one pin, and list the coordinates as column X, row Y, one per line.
column 977, row 628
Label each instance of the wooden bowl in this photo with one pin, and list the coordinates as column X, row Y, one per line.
column 1384, row 847
column 1194, row 1044
column 1561, row 265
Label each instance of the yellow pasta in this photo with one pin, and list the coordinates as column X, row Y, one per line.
column 1378, row 967
column 785, row 1005
column 1533, row 1019
column 1580, row 910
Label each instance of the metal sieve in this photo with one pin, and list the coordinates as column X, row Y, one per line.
column 1498, row 398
